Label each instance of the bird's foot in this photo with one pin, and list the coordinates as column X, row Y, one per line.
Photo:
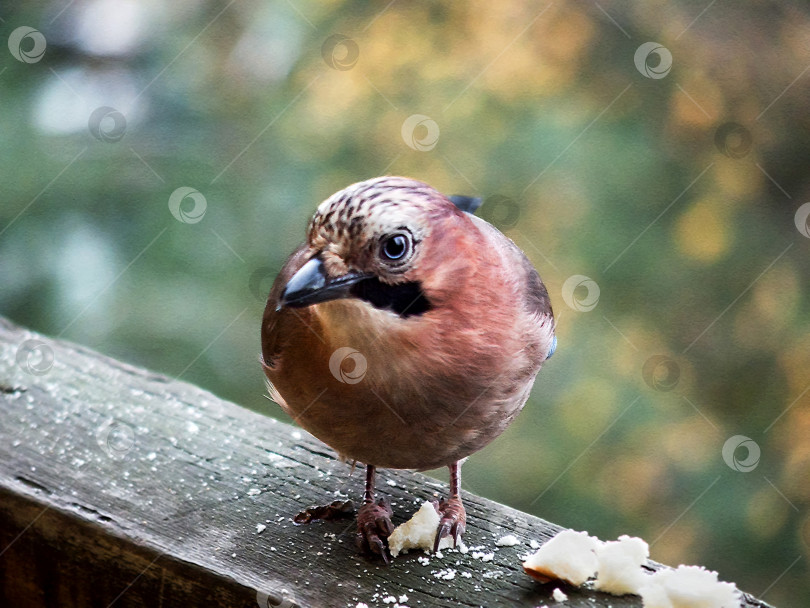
column 452, row 522
column 374, row 527
column 338, row 509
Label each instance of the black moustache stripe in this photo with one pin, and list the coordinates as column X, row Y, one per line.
column 405, row 299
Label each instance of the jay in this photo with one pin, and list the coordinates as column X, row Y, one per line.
column 405, row 333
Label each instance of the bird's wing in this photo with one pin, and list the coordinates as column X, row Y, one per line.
column 530, row 288
column 537, row 300
column 468, row 204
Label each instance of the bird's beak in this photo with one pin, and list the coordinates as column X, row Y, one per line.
column 311, row 285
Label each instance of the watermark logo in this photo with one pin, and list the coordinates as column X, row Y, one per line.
column 261, row 281
column 661, row 62
column 501, row 211
column 802, row 219
column 348, row 365
column 806, row 532
column 581, row 293
column 340, row 52
column 733, row 140
column 730, row 452
column 116, row 438
column 27, row 44
column 35, row 357
column 661, row 373
column 420, row 132
column 187, row 216
column 276, row 599
column 107, row 124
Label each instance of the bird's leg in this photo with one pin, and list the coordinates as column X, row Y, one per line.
column 451, row 511
column 374, row 520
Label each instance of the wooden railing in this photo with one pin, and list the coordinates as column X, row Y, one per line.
column 120, row 487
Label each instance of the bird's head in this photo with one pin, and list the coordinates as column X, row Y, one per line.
column 371, row 241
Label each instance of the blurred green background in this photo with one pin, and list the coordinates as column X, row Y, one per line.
column 668, row 180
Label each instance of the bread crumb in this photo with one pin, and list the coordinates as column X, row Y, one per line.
column 569, row 556
column 419, row 532
column 688, row 587
column 619, row 565
column 510, row 540
column 484, row 557
column 574, row 557
column 448, row 574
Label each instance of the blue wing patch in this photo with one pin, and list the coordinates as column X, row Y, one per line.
column 469, row 204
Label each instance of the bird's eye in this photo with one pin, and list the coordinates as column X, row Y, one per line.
column 395, row 247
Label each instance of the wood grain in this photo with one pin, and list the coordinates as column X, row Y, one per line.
column 121, row 487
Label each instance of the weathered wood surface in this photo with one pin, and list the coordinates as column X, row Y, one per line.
column 121, row 487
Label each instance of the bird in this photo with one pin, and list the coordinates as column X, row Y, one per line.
column 405, row 333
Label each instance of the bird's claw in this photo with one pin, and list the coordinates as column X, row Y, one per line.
column 374, row 527
column 452, row 522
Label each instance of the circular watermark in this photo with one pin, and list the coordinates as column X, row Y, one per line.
column 733, row 140
column 802, row 219
column 276, row 599
column 348, row 365
column 187, row 216
column 261, row 282
column 32, row 39
column 35, row 357
column 501, row 211
column 116, row 438
column 661, row 373
column 805, row 532
column 581, row 293
column 107, row 124
column 420, row 132
column 659, row 67
column 743, row 465
column 340, row 52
